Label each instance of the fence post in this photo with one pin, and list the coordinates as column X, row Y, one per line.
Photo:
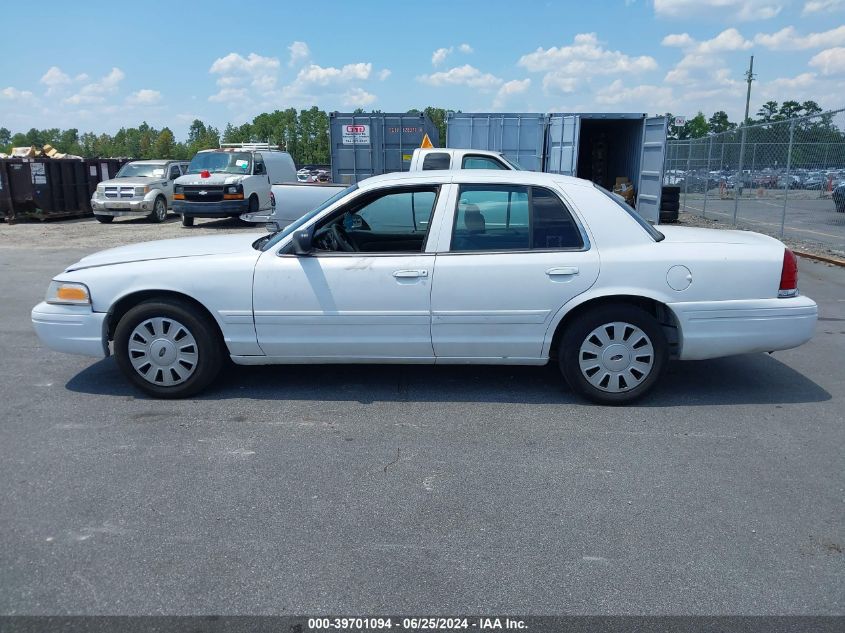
column 738, row 184
column 686, row 174
column 788, row 167
column 707, row 178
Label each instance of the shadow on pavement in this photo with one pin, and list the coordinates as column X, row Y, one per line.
column 739, row 380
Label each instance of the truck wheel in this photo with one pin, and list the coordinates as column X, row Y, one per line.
column 613, row 354
column 187, row 220
column 167, row 349
column 105, row 219
column 159, row 213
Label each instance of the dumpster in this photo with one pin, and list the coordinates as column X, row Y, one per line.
column 364, row 145
column 519, row 136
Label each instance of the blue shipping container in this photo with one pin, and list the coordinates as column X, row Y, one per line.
column 519, row 136
column 364, row 145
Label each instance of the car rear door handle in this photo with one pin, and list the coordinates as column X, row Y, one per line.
column 406, row 274
column 562, row 271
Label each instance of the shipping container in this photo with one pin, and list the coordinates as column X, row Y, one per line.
column 364, row 145
column 47, row 187
column 519, row 136
column 596, row 146
column 605, row 146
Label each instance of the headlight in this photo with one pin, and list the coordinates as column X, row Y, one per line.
column 101, row 188
column 68, row 292
column 178, row 189
column 142, row 191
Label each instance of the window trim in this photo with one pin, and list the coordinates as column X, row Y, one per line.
column 585, row 239
column 283, row 252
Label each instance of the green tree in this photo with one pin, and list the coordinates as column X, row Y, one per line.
column 438, row 117
column 696, row 127
column 768, row 111
column 719, row 122
column 5, row 137
column 788, row 110
column 165, row 144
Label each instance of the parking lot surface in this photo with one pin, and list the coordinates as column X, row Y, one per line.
column 425, row 490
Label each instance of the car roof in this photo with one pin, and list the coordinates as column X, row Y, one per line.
column 473, row 175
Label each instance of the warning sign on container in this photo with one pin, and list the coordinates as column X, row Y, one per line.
column 356, row 134
column 39, row 177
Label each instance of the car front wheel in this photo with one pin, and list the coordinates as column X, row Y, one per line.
column 613, row 354
column 168, row 350
column 159, row 213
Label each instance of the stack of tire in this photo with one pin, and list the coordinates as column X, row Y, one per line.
column 670, row 201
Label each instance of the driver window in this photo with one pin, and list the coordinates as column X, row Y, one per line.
column 395, row 221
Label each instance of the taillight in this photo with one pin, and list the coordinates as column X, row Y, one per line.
column 788, row 275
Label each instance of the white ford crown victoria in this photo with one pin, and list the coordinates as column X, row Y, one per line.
column 490, row 267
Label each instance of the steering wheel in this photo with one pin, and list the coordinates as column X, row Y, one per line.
column 341, row 239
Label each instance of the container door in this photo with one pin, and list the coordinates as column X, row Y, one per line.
column 651, row 168
column 562, row 153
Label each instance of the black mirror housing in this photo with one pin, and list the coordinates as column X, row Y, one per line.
column 302, row 241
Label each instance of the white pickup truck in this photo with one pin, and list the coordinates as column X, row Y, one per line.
column 454, row 158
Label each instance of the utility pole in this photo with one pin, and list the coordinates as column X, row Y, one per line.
column 749, row 77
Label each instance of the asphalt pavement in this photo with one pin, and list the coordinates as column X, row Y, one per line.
column 419, row 490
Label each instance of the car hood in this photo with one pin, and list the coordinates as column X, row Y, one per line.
column 135, row 181
column 696, row 235
column 169, row 249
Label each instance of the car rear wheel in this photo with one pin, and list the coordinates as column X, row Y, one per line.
column 187, row 220
column 168, row 350
column 159, row 213
column 613, row 354
column 105, row 219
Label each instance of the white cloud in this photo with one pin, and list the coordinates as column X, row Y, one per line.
column 585, row 54
column 299, row 53
column 465, row 48
column 658, row 98
column 830, row 61
column 788, row 39
column 13, row 94
column 725, row 9
column 681, row 40
column 234, row 70
column 97, row 91
column 554, row 83
column 728, row 40
column 54, row 79
column 465, row 75
column 384, row 74
column 358, row 97
column 230, row 95
column 145, row 96
column 820, row 6
column 439, row 56
column 700, row 62
column 510, row 88
column 324, row 76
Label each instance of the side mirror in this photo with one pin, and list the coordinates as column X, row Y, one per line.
column 302, row 241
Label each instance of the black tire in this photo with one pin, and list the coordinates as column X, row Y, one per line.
column 668, row 217
column 253, row 204
column 671, row 190
column 187, row 220
column 159, row 213
column 208, row 354
column 105, row 219
column 580, row 330
column 670, row 195
column 670, row 206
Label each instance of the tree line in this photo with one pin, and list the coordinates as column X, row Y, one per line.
column 305, row 133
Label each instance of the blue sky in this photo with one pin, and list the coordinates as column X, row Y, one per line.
column 98, row 66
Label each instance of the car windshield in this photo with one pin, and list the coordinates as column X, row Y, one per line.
column 221, row 162
column 141, row 170
column 275, row 238
column 656, row 235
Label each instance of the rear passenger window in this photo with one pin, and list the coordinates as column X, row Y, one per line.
column 504, row 217
column 437, row 160
column 553, row 226
column 481, row 162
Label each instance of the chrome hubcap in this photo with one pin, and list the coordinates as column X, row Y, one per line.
column 163, row 351
column 616, row 357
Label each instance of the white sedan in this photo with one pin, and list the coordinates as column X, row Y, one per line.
column 460, row 267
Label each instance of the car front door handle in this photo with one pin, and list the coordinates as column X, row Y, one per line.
column 407, row 274
column 562, row 271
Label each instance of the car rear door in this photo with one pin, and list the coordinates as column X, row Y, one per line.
column 509, row 258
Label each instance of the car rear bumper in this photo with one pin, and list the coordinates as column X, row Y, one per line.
column 223, row 209
column 71, row 329
column 710, row 329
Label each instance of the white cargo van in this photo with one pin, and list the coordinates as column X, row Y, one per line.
column 230, row 181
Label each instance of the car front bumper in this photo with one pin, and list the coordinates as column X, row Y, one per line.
column 120, row 208
column 223, row 209
column 71, row 329
column 710, row 329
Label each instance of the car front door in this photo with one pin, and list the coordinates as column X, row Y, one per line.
column 364, row 293
column 509, row 258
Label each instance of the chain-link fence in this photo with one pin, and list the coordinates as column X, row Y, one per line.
column 784, row 178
